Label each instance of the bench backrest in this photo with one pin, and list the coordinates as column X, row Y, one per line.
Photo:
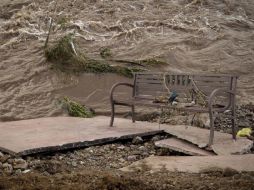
column 151, row 85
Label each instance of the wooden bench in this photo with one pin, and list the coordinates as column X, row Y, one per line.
column 213, row 94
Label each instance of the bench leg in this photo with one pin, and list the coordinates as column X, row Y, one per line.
column 133, row 113
column 192, row 120
column 233, row 121
column 211, row 128
column 112, row 114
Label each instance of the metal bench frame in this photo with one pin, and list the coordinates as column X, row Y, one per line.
column 181, row 82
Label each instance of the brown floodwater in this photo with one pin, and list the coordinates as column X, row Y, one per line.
column 208, row 36
column 93, row 90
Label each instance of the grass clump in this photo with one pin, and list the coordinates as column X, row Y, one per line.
column 62, row 21
column 152, row 62
column 105, row 53
column 63, row 52
column 75, row 109
column 66, row 58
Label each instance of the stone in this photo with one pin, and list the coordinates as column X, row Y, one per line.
column 236, row 176
column 10, row 161
column 132, row 158
column 145, row 154
column 142, row 148
column 243, row 124
column 136, row 152
column 26, row 171
column 121, row 160
column 7, row 168
column 202, row 120
column 1, row 154
column 20, row 164
column 4, row 158
column 229, row 172
column 18, row 172
column 155, row 138
column 121, row 147
column 137, row 140
column 74, row 164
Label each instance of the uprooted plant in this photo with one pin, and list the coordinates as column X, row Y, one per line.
column 75, row 109
column 66, row 57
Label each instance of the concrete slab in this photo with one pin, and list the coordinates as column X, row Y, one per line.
column 194, row 164
column 58, row 133
column 223, row 142
column 183, row 147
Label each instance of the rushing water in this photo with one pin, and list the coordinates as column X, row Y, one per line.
column 208, row 36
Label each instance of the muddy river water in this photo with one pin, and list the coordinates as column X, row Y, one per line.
column 199, row 36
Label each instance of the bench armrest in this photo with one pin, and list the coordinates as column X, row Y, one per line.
column 116, row 85
column 219, row 90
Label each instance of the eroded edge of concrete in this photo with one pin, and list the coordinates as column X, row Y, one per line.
column 199, row 152
column 82, row 144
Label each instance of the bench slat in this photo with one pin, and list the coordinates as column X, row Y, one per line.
column 213, row 84
column 212, row 78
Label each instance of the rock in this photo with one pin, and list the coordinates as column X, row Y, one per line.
column 121, row 147
column 145, row 154
column 1, row 166
column 132, row 158
column 20, row 164
column 45, row 173
column 7, row 168
column 236, row 176
column 121, row 160
column 242, row 124
column 137, row 140
column 202, row 120
column 229, row 172
column 4, row 158
column 136, row 152
column 26, row 171
column 18, row 172
column 156, row 138
column 74, row 164
column 10, row 161
column 142, row 148
column 1, row 154
column 81, row 162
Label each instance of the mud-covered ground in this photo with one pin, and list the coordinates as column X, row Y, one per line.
column 208, row 36
column 94, row 180
column 97, row 168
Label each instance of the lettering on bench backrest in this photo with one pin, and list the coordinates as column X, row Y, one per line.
column 149, row 85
